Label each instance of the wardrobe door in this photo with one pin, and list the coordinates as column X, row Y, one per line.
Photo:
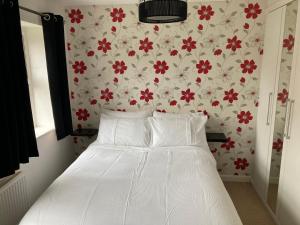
column 288, row 210
column 271, row 59
column 282, row 102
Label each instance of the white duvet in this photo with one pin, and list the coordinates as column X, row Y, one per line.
column 137, row 186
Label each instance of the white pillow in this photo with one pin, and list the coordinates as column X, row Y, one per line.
column 124, row 131
column 193, row 121
column 120, row 114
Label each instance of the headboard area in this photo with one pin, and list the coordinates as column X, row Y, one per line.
column 209, row 63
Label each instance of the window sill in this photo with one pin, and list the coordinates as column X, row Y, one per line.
column 41, row 131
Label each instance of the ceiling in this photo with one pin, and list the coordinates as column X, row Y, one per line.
column 115, row 2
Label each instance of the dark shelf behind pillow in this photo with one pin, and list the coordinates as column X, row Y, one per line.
column 211, row 137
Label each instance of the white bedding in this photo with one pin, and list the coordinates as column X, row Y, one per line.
column 137, row 186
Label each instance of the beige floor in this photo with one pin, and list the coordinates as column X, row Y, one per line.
column 248, row 204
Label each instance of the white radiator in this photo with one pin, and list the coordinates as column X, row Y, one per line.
column 14, row 201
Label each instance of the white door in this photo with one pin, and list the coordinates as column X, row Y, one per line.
column 288, row 210
column 271, row 60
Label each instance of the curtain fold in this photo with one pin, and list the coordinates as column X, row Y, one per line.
column 53, row 28
column 18, row 141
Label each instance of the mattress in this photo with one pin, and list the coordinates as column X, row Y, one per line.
column 115, row 185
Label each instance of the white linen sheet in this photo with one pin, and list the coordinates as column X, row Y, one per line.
column 110, row 185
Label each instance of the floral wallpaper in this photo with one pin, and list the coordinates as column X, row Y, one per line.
column 283, row 87
column 209, row 63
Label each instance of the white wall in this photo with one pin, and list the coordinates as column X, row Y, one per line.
column 55, row 157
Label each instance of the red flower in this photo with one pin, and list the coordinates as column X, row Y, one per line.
column 93, row 102
column 187, row 95
column 252, row 11
column 104, row 45
column 198, row 80
column 117, row 15
column 188, row 44
column 146, row 95
column 79, row 67
column 215, row 103
column 90, row 53
column 230, row 96
column 200, row 27
column 244, row 117
column 229, row 144
column 248, row 66
column 173, row 52
column 75, row 16
column 69, row 46
column 156, row 80
column 72, row 29
column 133, row 102
column 161, row 67
column 116, row 80
column 241, row 163
column 82, row 114
column 239, row 129
column 246, row 26
column 131, row 53
column 205, row 12
column 277, row 145
column 173, row 103
column 218, row 52
column 119, row 67
column 156, row 28
column 203, row 66
column 242, row 80
column 146, row 45
column 161, row 110
column 107, row 95
column 76, row 80
column 72, row 95
column 283, row 96
column 233, row 43
column 289, row 42
column 113, row 29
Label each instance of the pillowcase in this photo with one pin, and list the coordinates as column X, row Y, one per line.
column 196, row 124
column 119, row 114
column 124, row 131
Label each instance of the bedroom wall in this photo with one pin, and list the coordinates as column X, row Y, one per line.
column 209, row 63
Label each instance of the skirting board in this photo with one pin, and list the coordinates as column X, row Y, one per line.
column 234, row 178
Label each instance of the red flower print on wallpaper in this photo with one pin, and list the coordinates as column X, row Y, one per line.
column 283, row 96
column 133, row 102
column 189, row 44
column 205, row 12
column 79, row 67
column 241, row 164
column 104, row 45
column 278, row 145
column 117, row 15
column 146, row 45
column 187, row 95
column 218, row 52
column 233, row 43
column 248, row 66
column 82, row 114
column 146, row 95
column 173, row 52
column 252, row 11
column 204, row 66
column 75, row 15
column 229, row 144
column 119, row 67
column 107, row 95
column 288, row 42
column 161, row 67
column 230, row 95
column 244, row 117
column 173, row 103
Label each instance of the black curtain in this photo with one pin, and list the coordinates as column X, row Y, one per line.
column 18, row 141
column 53, row 27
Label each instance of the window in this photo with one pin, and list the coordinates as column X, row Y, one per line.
column 34, row 50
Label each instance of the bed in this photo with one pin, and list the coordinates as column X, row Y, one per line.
column 119, row 185
column 145, row 168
